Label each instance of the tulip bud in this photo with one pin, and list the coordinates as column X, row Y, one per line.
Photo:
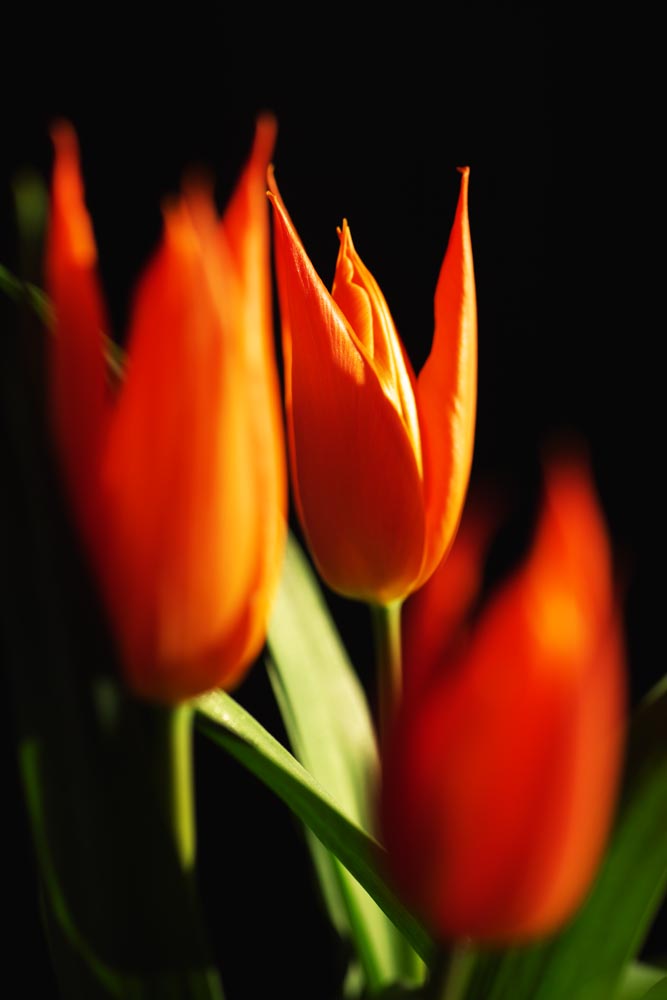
column 501, row 770
column 178, row 483
column 380, row 460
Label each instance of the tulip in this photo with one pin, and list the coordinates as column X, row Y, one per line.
column 500, row 774
column 380, row 460
column 437, row 615
column 176, row 480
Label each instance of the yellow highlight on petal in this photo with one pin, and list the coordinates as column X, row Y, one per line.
column 561, row 625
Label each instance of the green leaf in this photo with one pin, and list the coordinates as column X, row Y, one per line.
column 325, row 863
column 79, row 968
column 638, row 980
column 586, row 960
column 326, row 715
column 24, row 292
column 229, row 725
column 119, row 902
column 659, row 991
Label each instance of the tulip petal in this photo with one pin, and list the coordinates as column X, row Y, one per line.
column 447, row 391
column 356, row 479
column 360, row 298
column 245, row 226
column 434, row 616
column 79, row 391
column 181, row 560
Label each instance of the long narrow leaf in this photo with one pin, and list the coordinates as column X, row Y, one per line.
column 94, row 977
column 229, row 725
column 326, row 715
column 638, row 981
column 658, row 992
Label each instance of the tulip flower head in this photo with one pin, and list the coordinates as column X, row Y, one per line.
column 500, row 772
column 380, row 460
column 177, row 482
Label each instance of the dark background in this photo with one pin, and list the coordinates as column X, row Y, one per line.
column 372, row 124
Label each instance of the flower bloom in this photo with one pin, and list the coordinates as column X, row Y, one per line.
column 501, row 770
column 435, row 617
column 380, row 460
column 177, row 481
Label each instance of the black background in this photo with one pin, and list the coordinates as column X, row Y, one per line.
column 373, row 121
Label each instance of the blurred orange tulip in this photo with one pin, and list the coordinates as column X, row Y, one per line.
column 500, row 774
column 178, row 485
column 436, row 616
column 380, row 460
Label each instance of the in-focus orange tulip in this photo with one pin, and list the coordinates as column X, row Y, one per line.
column 177, row 481
column 500, row 774
column 380, row 460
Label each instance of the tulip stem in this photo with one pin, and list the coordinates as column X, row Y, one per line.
column 457, row 973
column 388, row 658
column 178, row 777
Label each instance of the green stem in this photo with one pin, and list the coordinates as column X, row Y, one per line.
column 457, row 973
column 386, row 620
column 176, row 777
column 172, row 772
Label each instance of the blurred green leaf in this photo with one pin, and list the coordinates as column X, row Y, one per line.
column 638, row 980
column 23, row 292
column 586, row 960
column 79, row 969
column 229, row 725
column 658, row 992
column 326, row 716
column 121, row 912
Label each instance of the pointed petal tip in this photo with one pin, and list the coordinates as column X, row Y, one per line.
column 197, row 179
column 565, row 449
column 67, row 155
column 68, row 197
column 567, row 468
column 344, row 234
column 276, row 199
column 198, row 201
column 177, row 223
column 193, row 210
column 274, row 196
column 465, row 179
column 63, row 136
column 266, row 124
column 266, row 131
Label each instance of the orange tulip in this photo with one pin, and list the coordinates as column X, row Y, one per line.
column 380, row 460
column 436, row 616
column 500, row 774
column 177, row 481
